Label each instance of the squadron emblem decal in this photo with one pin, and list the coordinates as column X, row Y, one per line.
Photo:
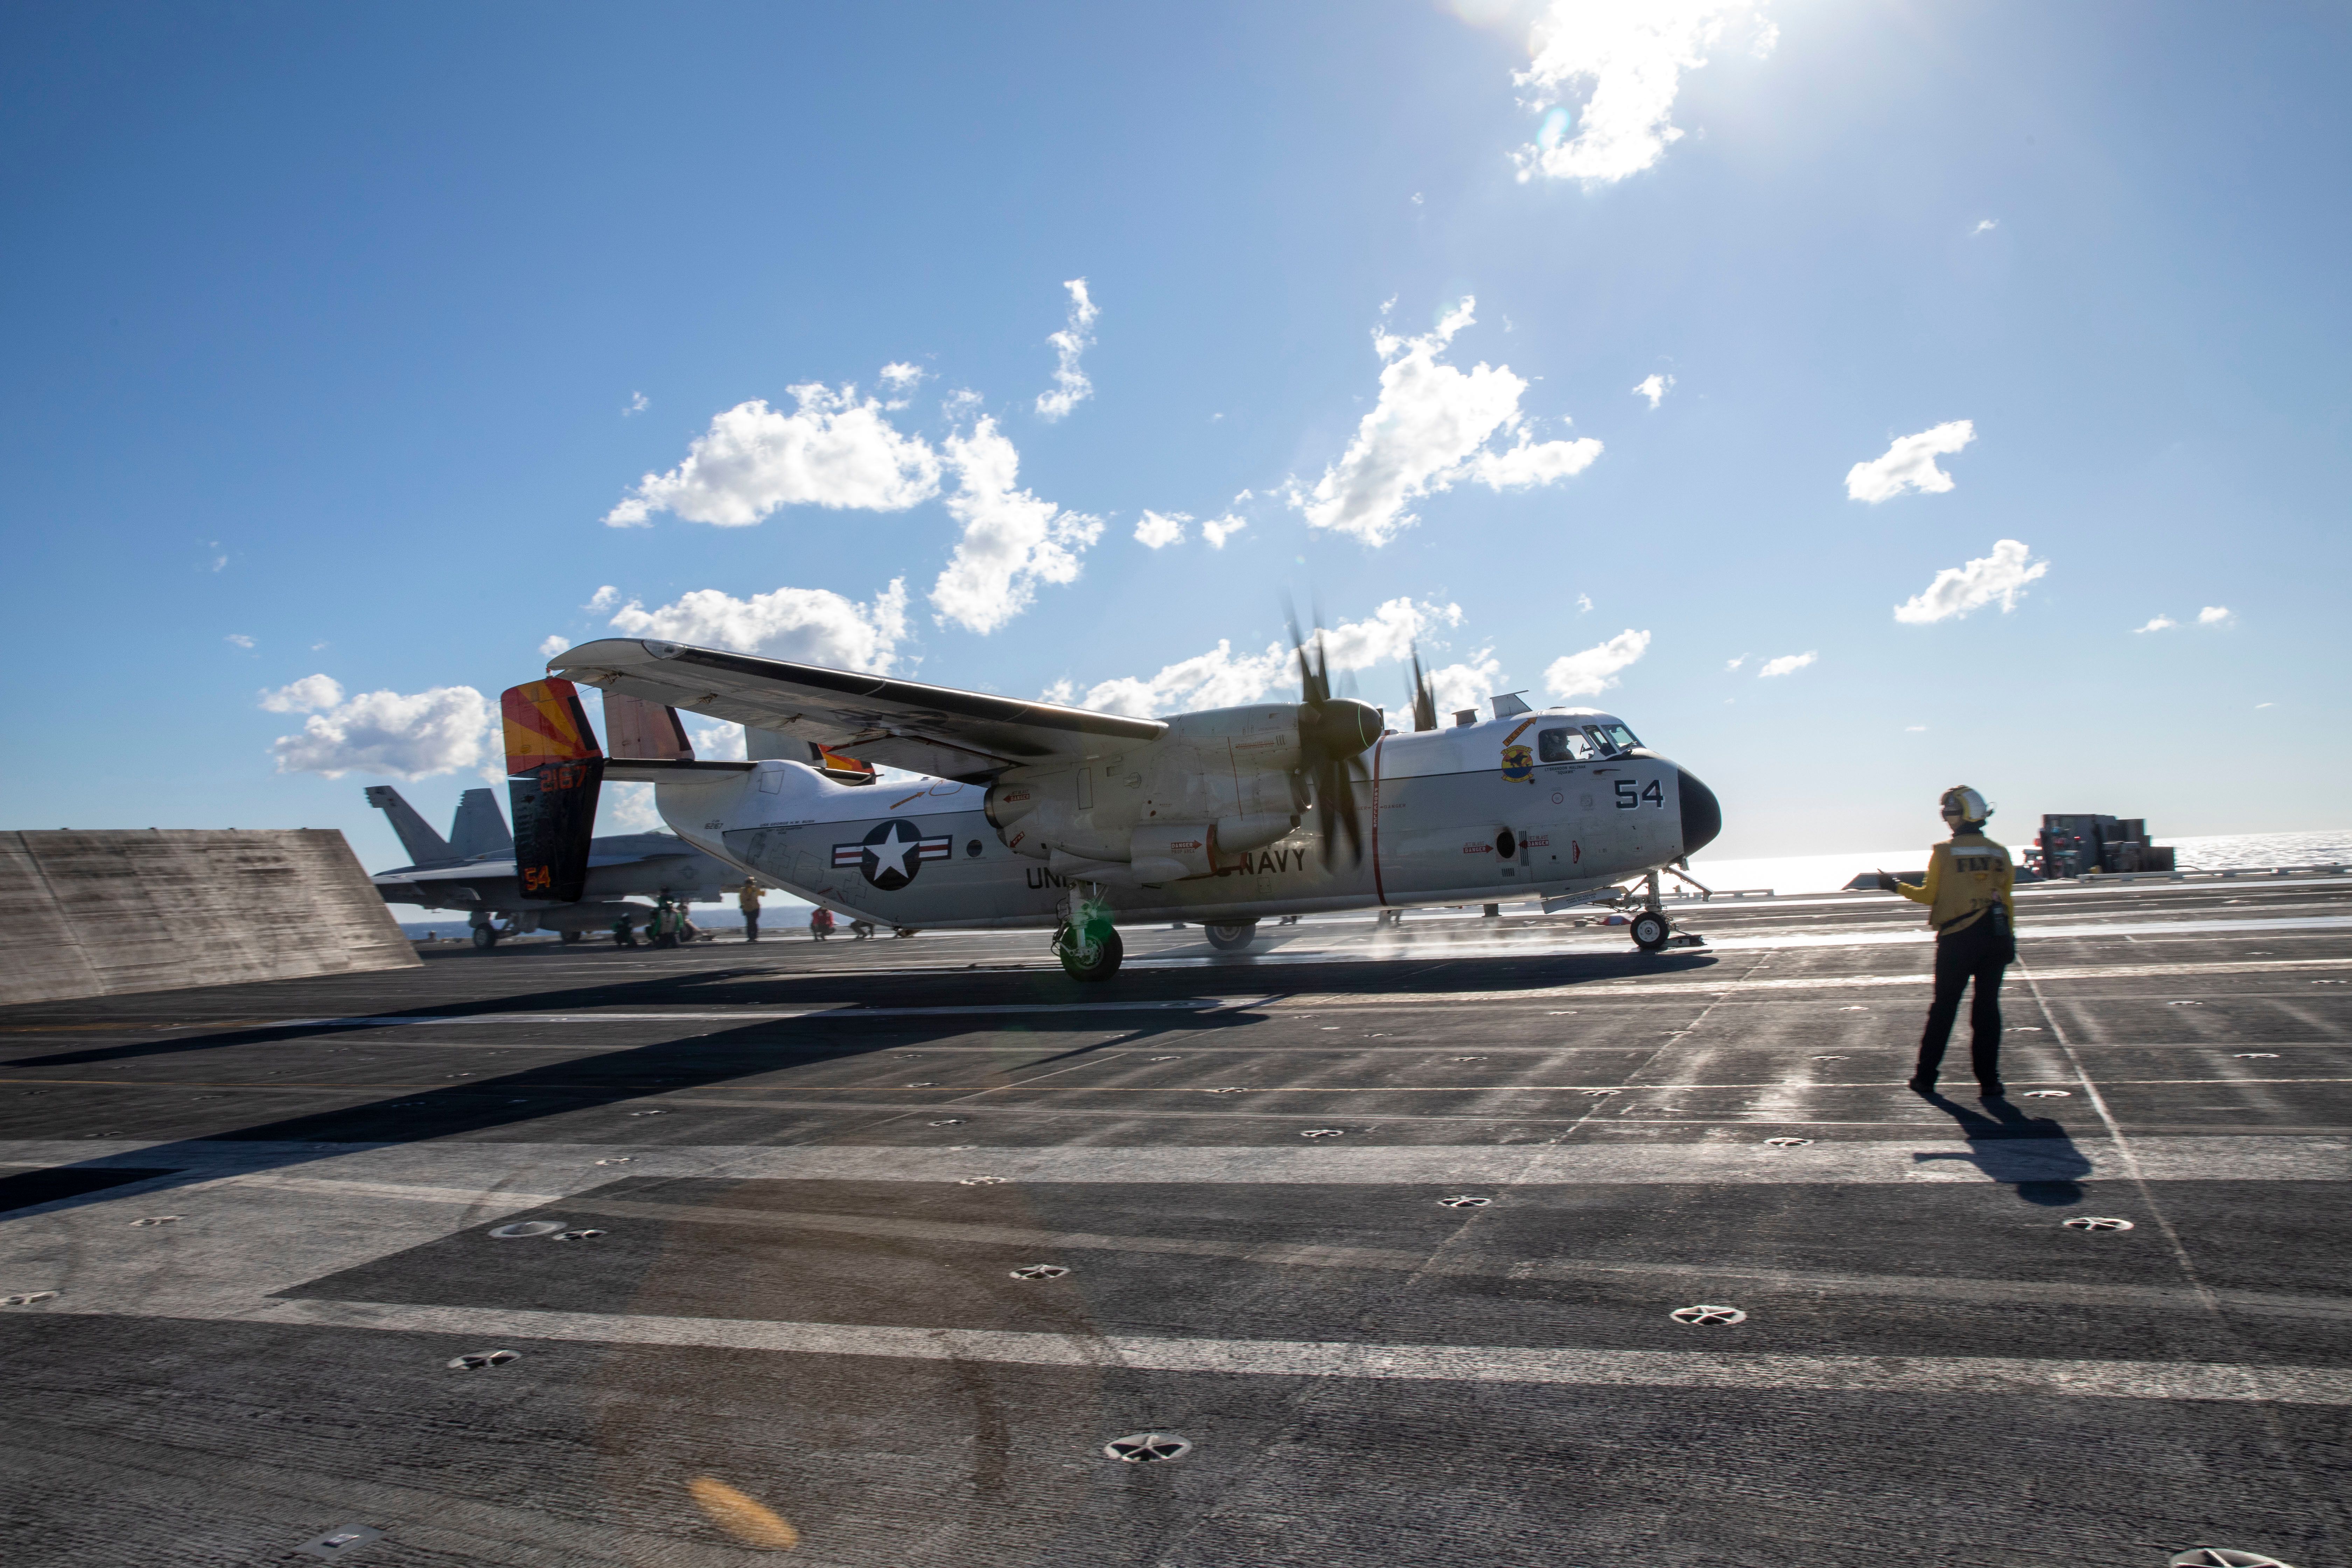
column 1519, row 765
column 891, row 854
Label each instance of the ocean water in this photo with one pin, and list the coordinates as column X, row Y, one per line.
column 1826, row 873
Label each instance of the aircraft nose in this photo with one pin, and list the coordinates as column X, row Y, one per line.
column 1702, row 813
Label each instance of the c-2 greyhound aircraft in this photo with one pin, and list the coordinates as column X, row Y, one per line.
column 1035, row 814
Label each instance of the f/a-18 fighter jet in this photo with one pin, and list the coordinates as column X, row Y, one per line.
column 1035, row 814
column 472, row 870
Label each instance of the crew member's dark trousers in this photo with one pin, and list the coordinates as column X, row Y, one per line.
column 1976, row 954
column 752, row 926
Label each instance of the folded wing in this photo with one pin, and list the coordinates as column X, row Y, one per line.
column 936, row 730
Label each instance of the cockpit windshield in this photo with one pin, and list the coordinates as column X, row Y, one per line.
column 1611, row 738
column 1564, row 746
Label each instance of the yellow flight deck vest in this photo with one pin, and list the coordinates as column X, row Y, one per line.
column 1965, row 877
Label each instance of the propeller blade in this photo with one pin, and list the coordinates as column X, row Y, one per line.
column 1424, row 695
column 1314, row 675
column 1335, row 816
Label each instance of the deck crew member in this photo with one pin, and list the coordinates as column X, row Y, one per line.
column 1970, row 903
column 748, row 900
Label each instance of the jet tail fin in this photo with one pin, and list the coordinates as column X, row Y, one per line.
column 479, row 828
column 554, row 772
column 424, row 845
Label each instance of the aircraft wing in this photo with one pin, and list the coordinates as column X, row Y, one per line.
column 934, row 730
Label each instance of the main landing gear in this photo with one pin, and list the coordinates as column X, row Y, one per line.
column 1230, row 936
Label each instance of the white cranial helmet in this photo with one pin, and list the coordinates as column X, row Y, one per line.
column 1965, row 805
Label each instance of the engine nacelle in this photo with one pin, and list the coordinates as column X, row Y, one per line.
column 1253, row 830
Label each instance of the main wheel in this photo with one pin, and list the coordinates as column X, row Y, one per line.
column 1230, row 936
column 573, row 936
column 1083, row 961
column 486, row 936
column 1651, row 932
column 902, row 933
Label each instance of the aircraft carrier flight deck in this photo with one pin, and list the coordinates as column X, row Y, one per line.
column 1468, row 1240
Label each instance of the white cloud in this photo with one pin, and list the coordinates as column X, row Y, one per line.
column 2157, row 623
column 405, row 737
column 627, row 809
column 1654, row 387
column 1217, row 530
column 1909, row 464
column 720, row 742
column 1786, row 664
column 1584, row 603
column 552, row 644
column 903, row 377
column 1958, row 589
column 2213, row 616
column 1430, row 428
column 808, row 626
column 1012, row 540
column 1071, row 386
column 237, row 640
column 835, row 450
column 1731, row 664
column 602, row 600
column 636, row 405
column 1595, row 671
column 1984, row 226
column 1633, row 53
column 1222, row 679
column 1915, row 728
column 1157, row 531
column 307, row 695
column 2260, row 706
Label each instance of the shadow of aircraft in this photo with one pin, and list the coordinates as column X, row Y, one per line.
column 701, row 1059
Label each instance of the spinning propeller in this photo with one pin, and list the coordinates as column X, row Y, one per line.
column 1333, row 734
column 1424, row 696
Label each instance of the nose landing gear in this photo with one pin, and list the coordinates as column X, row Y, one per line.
column 1651, row 933
column 1651, row 930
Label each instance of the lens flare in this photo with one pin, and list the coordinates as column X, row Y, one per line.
column 1555, row 126
column 745, row 1518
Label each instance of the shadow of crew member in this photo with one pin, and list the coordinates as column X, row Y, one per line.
column 2036, row 1155
column 1970, row 903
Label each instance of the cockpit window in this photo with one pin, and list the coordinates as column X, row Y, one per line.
column 1622, row 737
column 1601, row 741
column 1563, row 746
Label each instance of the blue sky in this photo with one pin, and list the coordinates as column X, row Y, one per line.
column 342, row 333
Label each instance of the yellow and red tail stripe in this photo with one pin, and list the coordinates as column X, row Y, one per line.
column 545, row 723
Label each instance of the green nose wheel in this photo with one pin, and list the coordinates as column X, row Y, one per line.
column 1090, row 948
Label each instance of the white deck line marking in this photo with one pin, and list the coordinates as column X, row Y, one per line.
column 1975, row 1376
column 564, row 1168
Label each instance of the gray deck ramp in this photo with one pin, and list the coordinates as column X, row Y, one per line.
column 112, row 910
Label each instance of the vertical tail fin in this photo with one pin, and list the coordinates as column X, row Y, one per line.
column 424, row 845
column 479, row 829
column 554, row 770
column 644, row 732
